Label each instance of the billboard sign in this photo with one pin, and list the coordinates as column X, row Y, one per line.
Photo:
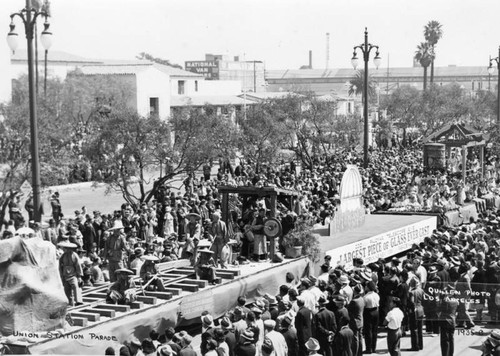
column 209, row 69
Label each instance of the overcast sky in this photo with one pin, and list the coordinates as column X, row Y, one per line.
column 278, row 32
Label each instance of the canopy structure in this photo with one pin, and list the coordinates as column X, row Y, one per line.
column 248, row 193
column 270, row 193
column 461, row 136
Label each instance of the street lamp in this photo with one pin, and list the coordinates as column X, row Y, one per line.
column 491, row 70
column 29, row 16
column 365, row 49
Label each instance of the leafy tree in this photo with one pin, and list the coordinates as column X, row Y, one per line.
column 128, row 147
column 403, row 107
column 124, row 149
column 433, row 32
column 357, row 84
column 262, row 135
column 149, row 57
column 424, row 55
column 300, row 123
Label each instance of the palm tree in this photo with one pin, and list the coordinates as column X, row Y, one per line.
column 433, row 32
column 424, row 56
column 357, row 84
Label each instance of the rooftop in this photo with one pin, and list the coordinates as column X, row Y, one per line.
column 201, row 100
column 133, row 68
column 348, row 73
column 54, row 56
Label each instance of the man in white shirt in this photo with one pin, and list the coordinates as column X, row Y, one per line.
column 393, row 321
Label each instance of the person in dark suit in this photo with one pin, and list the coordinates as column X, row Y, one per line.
column 325, row 326
column 229, row 335
column 448, row 319
column 340, row 311
column 303, row 324
column 355, row 309
column 290, row 335
column 246, row 346
column 343, row 340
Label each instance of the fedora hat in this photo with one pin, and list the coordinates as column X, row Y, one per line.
column 207, row 320
column 312, row 344
column 207, row 251
column 117, row 225
column 344, row 279
column 124, row 271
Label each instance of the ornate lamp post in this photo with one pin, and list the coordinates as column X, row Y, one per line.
column 365, row 49
column 29, row 16
column 491, row 70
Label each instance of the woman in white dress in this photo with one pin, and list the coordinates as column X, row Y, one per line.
column 169, row 222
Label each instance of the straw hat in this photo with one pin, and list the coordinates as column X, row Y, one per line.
column 67, row 244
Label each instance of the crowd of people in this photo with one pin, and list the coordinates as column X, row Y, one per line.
column 339, row 312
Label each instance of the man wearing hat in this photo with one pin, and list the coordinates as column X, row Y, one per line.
column 290, row 334
column 137, row 262
column 122, row 291
column 71, row 273
column 312, row 347
column 431, row 289
column 246, row 345
column 193, row 235
column 344, row 338
column 149, row 273
column 277, row 339
column 345, row 288
column 186, row 348
column 115, row 249
column 205, row 266
column 303, row 324
column 219, row 233
column 325, row 326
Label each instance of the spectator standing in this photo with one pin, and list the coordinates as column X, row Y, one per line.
column 220, row 236
column 371, row 316
column 393, row 321
column 325, row 327
column 416, row 315
column 290, row 335
column 115, row 249
column 355, row 309
column 71, row 273
column 303, row 325
column 246, row 345
column 448, row 315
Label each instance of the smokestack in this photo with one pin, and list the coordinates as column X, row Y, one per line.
column 327, row 49
column 310, row 59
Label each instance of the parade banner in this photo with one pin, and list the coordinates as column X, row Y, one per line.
column 383, row 245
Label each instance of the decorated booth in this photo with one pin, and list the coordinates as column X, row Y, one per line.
column 440, row 148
